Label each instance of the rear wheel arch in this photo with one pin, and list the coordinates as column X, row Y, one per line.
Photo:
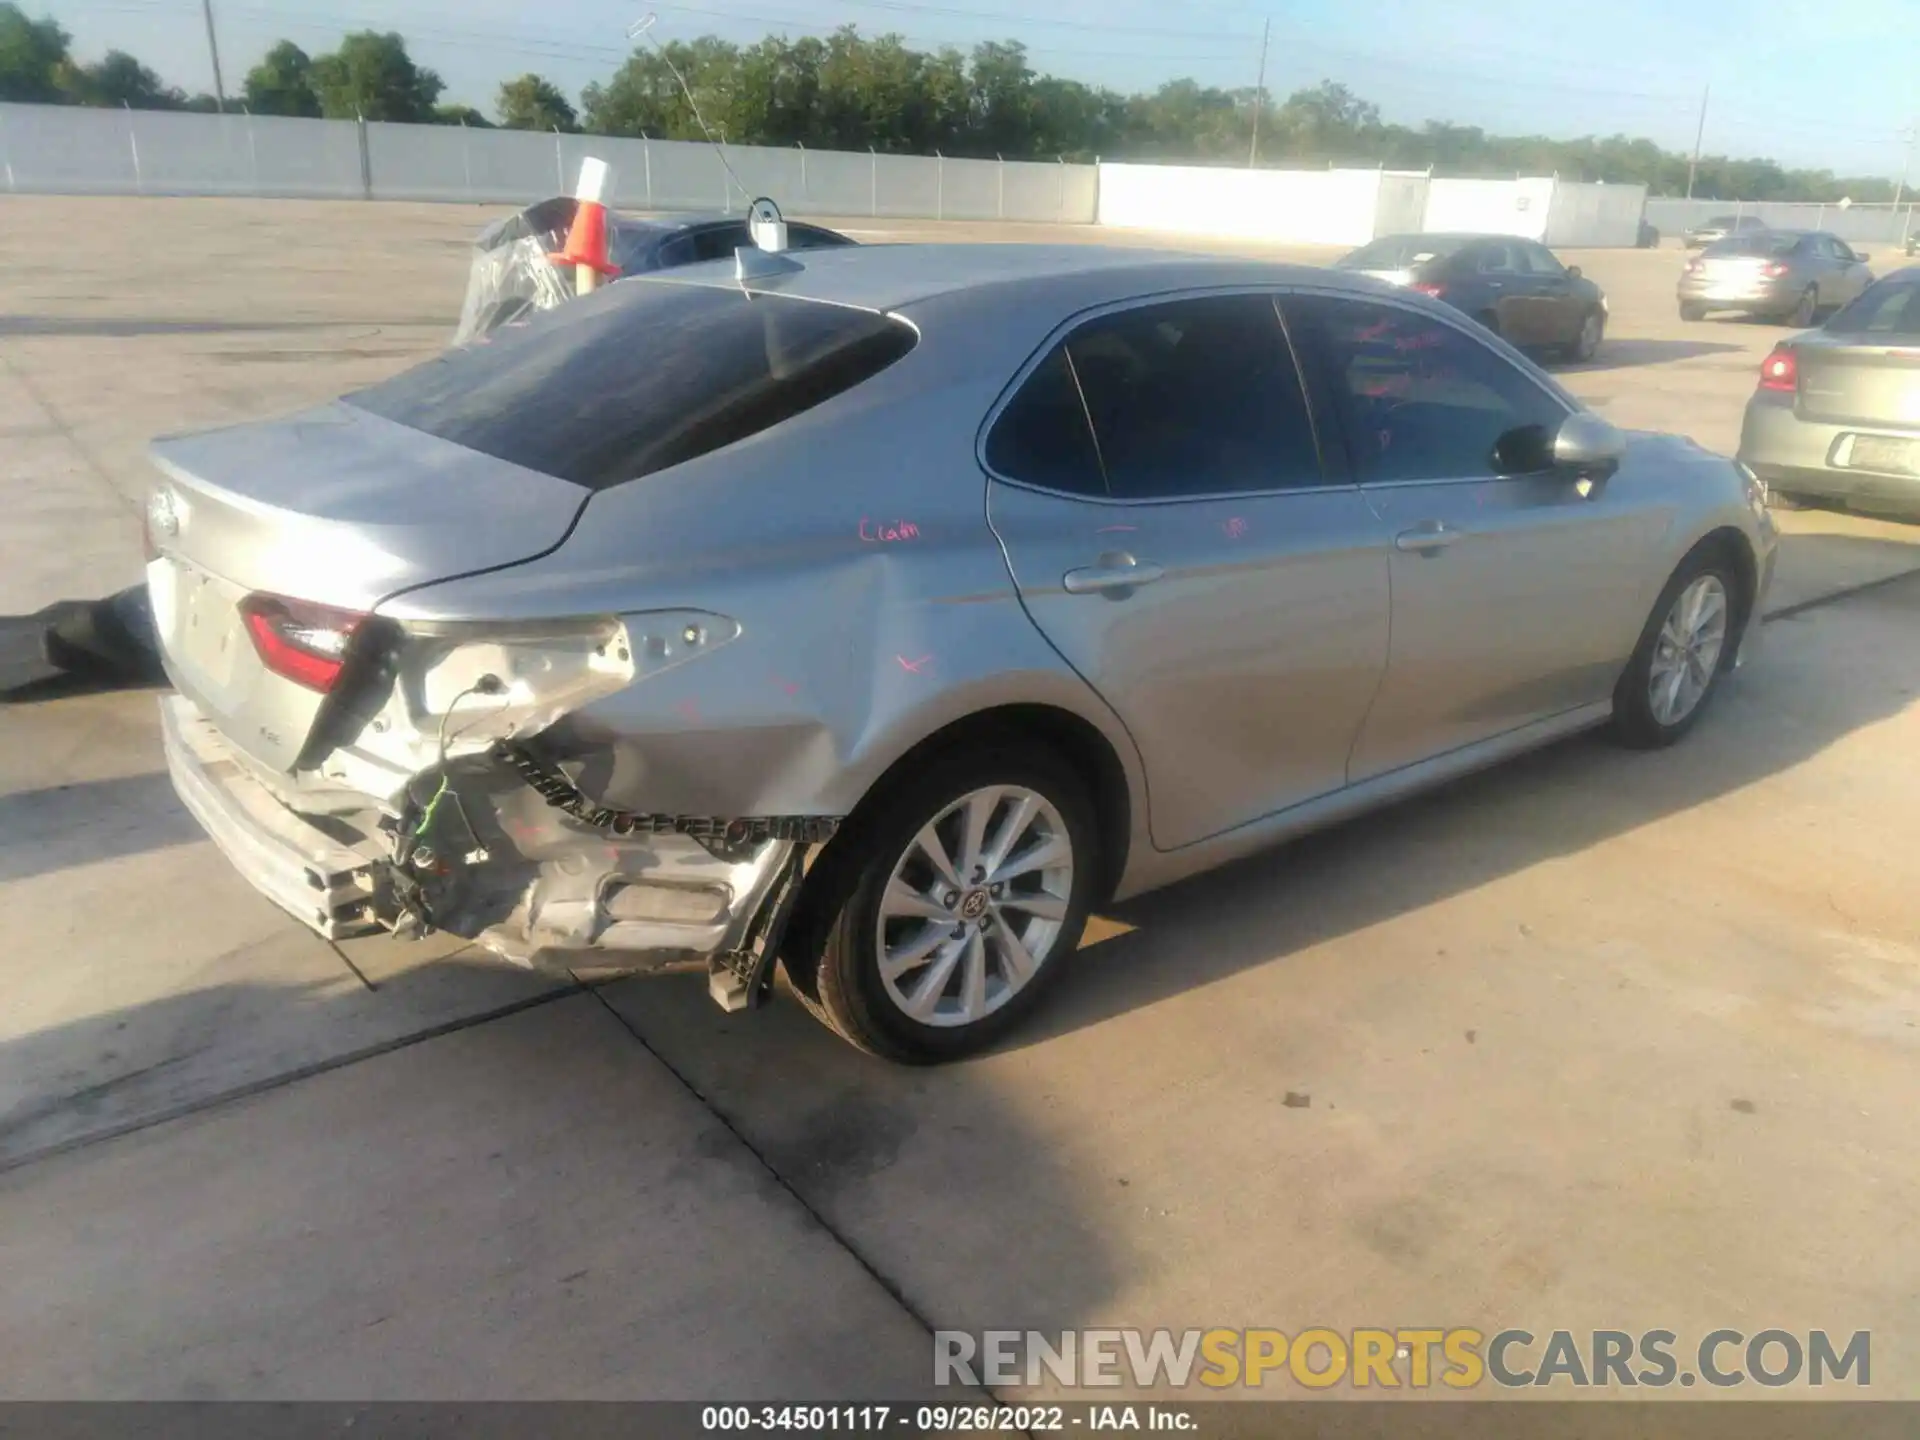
column 825, row 958
column 1074, row 740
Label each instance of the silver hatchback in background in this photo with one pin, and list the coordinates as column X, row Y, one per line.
column 1836, row 416
column 1789, row 275
column 882, row 610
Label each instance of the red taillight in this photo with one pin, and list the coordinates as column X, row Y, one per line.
column 1780, row 371
column 1428, row 287
column 298, row 640
column 1775, row 270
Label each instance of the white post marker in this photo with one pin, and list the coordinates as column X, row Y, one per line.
column 591, row 190
column 769, row 232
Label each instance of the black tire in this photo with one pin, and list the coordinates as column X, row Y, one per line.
column 832, row 960
column 1580, row 351
column 1803, row 314
column 1635, row 723
column 1691, row 310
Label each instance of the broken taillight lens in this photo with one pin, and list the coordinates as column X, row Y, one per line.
column 299, row 640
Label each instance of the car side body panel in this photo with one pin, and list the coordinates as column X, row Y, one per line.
column 862, row 604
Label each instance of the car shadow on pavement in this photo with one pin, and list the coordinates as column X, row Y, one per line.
column 296, row 1187
column 1619, row 354
column 1791, row 703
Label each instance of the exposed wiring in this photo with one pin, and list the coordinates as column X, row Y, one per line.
column 486, row 685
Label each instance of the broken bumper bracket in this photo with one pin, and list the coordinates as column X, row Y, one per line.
column 742, row 979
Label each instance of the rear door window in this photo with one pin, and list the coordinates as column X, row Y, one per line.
column 1176, row 400
column 1042, row 438
column 640, row 377
column 1884, row 309
column 1195, row 397
column 1495, row 257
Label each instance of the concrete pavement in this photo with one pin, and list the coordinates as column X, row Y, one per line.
column 1596, row 1039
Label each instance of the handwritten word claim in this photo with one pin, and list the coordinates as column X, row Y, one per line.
column 882, row 532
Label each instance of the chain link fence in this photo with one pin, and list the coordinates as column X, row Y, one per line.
column 1866, row 224
column 71, row 150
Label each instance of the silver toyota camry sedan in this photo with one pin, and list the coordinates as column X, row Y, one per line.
column 875, row 612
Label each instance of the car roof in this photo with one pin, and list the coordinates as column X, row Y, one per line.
column 1464, row 236
column 891, row 277
column 675, row 222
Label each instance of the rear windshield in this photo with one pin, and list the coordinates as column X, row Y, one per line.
column 640, row 377
column 1887, row 307
column 1401, row 252
column 1762, row 244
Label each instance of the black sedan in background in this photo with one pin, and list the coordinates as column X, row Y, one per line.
column 1514, row 287
column 512, row 275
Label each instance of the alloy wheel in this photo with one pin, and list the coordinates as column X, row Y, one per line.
column 975, row 906
column 1686, row 654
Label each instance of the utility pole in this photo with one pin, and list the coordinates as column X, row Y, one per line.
column 213, row 49
column 1698, row 136
column 1259, row 93
column 1912, row 136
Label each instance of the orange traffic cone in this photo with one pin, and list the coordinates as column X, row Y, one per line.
column 586, row 248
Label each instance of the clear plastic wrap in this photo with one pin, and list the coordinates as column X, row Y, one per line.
column 511, row 276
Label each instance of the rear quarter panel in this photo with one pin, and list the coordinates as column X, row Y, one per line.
column 875, row 605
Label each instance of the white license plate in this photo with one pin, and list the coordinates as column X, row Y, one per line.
column 1886, row 453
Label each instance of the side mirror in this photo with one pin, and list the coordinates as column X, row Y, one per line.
column 1588, row 447
column 1573, row 272
column 1862, row 256
column 1524, row 450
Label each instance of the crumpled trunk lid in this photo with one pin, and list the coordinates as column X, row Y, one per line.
column 334, row 506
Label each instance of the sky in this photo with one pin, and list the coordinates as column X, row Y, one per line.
column 1823, row 83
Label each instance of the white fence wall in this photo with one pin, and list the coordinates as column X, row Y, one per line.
column 1403, row 203
column 1496, row 207
column 1304, row 207
column 61, row 149
column 1582, row 213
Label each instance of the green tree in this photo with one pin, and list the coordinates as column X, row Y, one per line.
column 372, row 76
column 33, row 57
column 119, row 79
column 644, row 98
column 282, row 83
column 533, row 102
column 461, row 115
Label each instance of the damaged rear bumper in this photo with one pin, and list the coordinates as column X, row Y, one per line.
column 541, row 887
